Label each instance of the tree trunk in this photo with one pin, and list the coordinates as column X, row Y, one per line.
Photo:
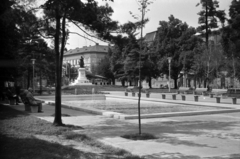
column 150, row 82
column 58, row 113
column 175, row 83
column 113, row 81
column 123, row 82
column 28, row 78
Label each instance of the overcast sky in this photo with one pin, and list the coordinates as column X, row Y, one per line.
column 184, row 10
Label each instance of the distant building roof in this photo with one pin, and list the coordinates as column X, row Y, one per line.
column 86, row 49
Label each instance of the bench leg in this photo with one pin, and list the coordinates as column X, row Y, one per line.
column 27, row 108
column 218, row 99
column 163, row 96
column 183, row 97
column 196, row 98
column 147, row 95
column 234, row 100
column 174, row 96
column 34, row 109
column 133, row 94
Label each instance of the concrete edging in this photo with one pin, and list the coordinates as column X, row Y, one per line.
column 146, row 116
column 162, row 115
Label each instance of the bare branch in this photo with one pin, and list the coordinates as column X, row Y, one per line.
column 86, row 32
column 82, row 36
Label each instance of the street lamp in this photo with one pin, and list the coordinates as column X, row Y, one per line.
column 225, row 74
column 169, row 65
column 33, row 62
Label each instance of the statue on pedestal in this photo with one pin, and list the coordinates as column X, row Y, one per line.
column 81, row 62
column 82, row 79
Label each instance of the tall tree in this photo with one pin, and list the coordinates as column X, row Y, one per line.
column 174, row 39
column 89, row 15
column 208, row 20
column 230, row 39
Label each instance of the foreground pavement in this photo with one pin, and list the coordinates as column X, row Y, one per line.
column 187, row 137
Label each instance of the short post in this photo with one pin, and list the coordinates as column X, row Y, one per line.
column 174, row 96
column 126, row 93
column 196, row 98
column 147, row 94
column 183, row 97
column 234, row 100
column 76, row 91
column 133, row 94
column 218, row 99
column 163, row 96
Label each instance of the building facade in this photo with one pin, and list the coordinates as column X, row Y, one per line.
column 91, row 55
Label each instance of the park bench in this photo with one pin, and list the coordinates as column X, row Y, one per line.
column 27, row 105
column 217, row 92
column 232, row 93
column 130, row 89
column 200, row 91
column 185, row 90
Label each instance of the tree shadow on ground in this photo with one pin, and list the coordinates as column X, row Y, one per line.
column 10, row 112
column 112, row 127
column 164, row 155
column 34, row 148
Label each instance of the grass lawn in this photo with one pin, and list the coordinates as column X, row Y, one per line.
column 26, row 137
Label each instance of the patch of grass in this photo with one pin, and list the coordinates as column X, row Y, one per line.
column 17, row 138
column 137, row 136
column 94, row 143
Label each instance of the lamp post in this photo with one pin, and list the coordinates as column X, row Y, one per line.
column 169, row 65
column 225, row 74
column 33, row 62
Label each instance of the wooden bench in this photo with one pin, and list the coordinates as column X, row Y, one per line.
column 185, row 90
column 28, row 106
column 233, row 92
column 217, row 92
column 201, row 91
column 130, row 89
column 218, row 99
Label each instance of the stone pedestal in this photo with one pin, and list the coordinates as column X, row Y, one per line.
column 81, row 80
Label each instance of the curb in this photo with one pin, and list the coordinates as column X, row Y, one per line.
column 163, row 115
column 89, row 110
column 144, row 116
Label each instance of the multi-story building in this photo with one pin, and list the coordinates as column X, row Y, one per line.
column 91, row 55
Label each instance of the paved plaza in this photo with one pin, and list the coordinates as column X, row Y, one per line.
column 211, row 136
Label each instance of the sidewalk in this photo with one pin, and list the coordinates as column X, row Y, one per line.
column 187, row 137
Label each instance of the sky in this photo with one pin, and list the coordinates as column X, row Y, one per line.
column 159, row 10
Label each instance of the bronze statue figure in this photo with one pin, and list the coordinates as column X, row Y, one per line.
column 81, row 62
